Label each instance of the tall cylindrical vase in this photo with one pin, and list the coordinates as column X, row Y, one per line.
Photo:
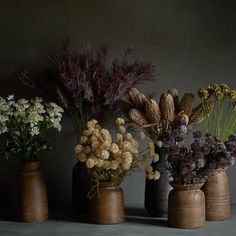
column 216, row 191
column 33, row 202
column 156, row 192
column 186, row 207
column 107, row 206
column 80, row 188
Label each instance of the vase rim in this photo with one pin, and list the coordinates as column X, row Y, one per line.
column 186, row 186
column 108, row 185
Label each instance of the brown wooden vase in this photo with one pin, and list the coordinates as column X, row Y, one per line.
column 107, row 206
column 33, row 203
column 186, row 207
column 156, row 192
column 216, row 191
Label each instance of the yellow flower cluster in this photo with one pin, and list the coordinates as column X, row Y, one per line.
column 218, row 91
column 101, row 155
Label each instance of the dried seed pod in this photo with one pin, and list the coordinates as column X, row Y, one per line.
column 124, row 106
column 138, row 117
column 138, row 99
column 181, row 119
column 174, row 93
column 153, row 111
column 167, row 107
column 197, row 115
column 186, row 104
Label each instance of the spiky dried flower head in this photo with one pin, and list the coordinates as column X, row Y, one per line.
column 186, row 103
column 167, row 107
column 153, row 111
column 175, row 94
column 138, row 99
column 138, row 117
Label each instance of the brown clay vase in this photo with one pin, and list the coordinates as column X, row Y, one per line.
column 216, row 191
column 186, row 207
column 80, row 188
column 33, row 203
column 107, row 206
column 156, row 192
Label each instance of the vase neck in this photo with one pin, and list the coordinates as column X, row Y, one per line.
column 186, row 187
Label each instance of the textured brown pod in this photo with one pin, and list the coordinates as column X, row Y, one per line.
column 181, row 119
column 186, row 207
column 124, row 106
column 216, row 191
column 167, row 107
column 33, row 203
column 197, row 115
column 138, row 99
column 138, row 117
column 153, row 111
column 174, row 93
column 186, row 104
column 107, row 207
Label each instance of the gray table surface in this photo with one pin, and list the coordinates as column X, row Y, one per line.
column 64, row 223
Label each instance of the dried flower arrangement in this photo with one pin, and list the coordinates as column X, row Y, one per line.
column 156, row 118
column 194, row 163
column 26, row 124
column 109, row 161
column 85, row 86
column 222, row 121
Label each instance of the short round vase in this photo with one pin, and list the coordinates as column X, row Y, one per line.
column 216, row 191
column 107, row 206
column 186, row 207
column 33, row 202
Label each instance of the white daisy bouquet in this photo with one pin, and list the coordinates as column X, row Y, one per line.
column 108, row 160
column 26, row 123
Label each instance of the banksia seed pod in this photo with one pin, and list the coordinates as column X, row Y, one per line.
column 167, row 107
column 138, row 99
column 153, row 111
column 124, row 106
column 197, row 115
column 174, row 93
column 137, row 117
column 181, row 119
column 186, row 104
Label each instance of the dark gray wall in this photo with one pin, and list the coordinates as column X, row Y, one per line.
column 193, row 42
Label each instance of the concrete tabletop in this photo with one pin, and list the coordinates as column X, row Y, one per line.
column 64, row 223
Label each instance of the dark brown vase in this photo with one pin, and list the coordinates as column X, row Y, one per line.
column 156, row 192
column 80, row 188
column 186, row 207
column 216, row 191
column 107, row 206
column 33, row 203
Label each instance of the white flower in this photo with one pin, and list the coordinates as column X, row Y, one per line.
column 10, row 97
column 34, row 131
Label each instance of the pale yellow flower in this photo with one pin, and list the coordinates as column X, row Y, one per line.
column 119, row 137
column 100, row 163
column 78, row 148
column 90, row 163
column 157, row 175
column 155, row 158
column 128, row 157
column 126, row 165
column 105, row 154
column 91, row 123
column 114, row 148
column 83, row 139
column 126, row 145
column 114, row 164
column 142, row 135
column 159, row 143
column 121, row 129
column 129, row 137
column 86, row 149
column 82, row 157
column 120, row 121
column 106, row 145
column 149, row 169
